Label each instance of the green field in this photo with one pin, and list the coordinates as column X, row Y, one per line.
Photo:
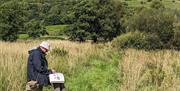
column 23, row 36
column 94, row 67
column 56, row 27
column 54, row 31
column 86, row 67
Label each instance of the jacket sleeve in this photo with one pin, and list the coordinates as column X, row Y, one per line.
column 37, row 64
column 30, row 70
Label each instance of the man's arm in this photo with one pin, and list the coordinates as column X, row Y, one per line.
column 37, row 64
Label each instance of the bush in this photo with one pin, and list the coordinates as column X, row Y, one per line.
column 154, row 21
column 129, row 40
column 139, row 40
column 9, row 37
column 59, row 52
column 152, row 42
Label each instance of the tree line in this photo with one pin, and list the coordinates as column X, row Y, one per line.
column 88, row 19
column 155, row 26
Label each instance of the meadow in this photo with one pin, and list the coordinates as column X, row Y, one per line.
column 94, row 67
column 83, row 65
column 151, row 70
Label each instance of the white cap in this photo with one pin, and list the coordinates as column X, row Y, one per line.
column 45, row 44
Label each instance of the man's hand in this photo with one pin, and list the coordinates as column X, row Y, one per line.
column 53, row 71
column 32, row 84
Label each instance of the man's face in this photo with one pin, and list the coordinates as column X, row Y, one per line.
column 44, row 49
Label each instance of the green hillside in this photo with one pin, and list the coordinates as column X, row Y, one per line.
column 174, row 4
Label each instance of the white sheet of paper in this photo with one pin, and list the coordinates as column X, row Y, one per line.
column 56, row 78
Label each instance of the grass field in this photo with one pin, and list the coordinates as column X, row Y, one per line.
column 85, row 66
column 94, row 67
column 23, row 36
column 56, row 29
column 151, row 71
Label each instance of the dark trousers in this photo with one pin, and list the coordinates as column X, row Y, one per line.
column 59, row 87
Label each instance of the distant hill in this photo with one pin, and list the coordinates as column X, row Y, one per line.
column 173, row 4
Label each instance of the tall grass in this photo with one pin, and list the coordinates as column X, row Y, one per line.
column 84, row 65
column 151, row 71
column 94, row 67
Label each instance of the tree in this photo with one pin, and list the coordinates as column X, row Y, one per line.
column 38, row 8
column 12, row 18
column 35, row 28
column 97, row 19
column 16, row 18
column 61, row 12
column 54, row 17
column 159, row 22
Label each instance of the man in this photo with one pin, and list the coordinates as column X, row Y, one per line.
column 37, row 68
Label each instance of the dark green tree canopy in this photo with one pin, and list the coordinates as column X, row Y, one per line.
column 96, row 19
column 12, row 18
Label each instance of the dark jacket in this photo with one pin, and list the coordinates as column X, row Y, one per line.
column 37, row 67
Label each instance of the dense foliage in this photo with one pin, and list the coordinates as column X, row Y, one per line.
column 12, row 18
column 16, row 18
column 151, row 28
column 93, row 19
column 97, row 19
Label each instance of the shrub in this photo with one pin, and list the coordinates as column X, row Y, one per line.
column 139, row 40
column 129, row 40
column 152, row 42
column 59, row 52
column 154, row 21
column 9, row 37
